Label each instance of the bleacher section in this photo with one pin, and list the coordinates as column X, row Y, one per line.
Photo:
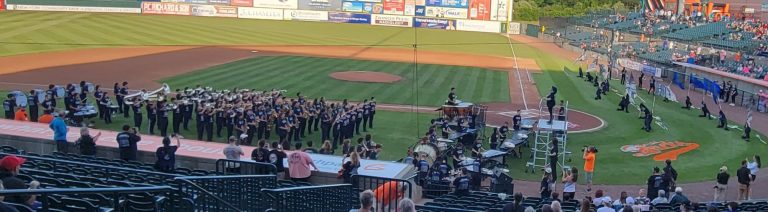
column 702, row 32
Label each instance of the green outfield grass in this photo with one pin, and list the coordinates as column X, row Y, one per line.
column 27, row 32
column 718, row 147
column 310, row 75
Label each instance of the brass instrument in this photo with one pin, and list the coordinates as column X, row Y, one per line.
column 156, row 95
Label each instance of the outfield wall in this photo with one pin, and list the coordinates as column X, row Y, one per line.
column 462, row 15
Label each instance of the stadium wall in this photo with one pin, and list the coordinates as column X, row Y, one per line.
column 474, row 15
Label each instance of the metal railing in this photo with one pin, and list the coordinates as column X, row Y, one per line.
column 238, row 167
column 396, row 189
column 114, row 193
column 312, row 198
column 228, row 193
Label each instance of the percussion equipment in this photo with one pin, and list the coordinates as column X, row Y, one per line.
column 442, row 146
column 430, row 151
column 445, row 140
column 495, row 155
column 89, row 87
column 59, row 91
column 461, row 109
column 40, row 95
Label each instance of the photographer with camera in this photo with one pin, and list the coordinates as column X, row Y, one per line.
column 126, row 143
column 589, row 164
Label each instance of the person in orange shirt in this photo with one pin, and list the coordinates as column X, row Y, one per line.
column 47, row 118
column 389, row 193
column 21, row 115
column 589, row 165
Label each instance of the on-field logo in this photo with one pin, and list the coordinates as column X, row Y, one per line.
column 660, row 150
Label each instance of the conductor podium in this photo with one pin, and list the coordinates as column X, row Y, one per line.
column 546, row 131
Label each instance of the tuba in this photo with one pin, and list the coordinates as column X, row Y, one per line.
column 155, row 95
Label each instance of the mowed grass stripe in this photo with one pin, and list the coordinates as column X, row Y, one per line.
column 181, row 36
column 8, row 23
column 104, row 24
column 219, row 73
column 240, row 77
column 135, row 32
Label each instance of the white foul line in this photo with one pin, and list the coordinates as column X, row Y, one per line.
column 517, row 70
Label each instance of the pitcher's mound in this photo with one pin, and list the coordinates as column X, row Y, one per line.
column 365, row 76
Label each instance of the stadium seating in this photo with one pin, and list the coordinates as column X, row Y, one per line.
column 701, row 32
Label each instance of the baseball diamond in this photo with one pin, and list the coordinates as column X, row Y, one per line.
column 429, row 99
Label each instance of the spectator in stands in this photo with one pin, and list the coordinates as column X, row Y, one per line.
column 660, row 198
column 350, row 166
column 753, row 167
column 46, row 118
column 733, row 206
column 722, row 183
column 4, row 207
column 623, row 200
column 516, row 205
column 670, row 174
column 166, row 154
column 389, row 193
column 9, row 169
column 260, row 153
column 641, row 199
column 678, row 198
column 300, row 164
column 600, row 198
column 60, row 129
column 546, row 208
column 127, row 143
column 374, row 154
column 326, row 148
column 86, row 142
column 276, row 156
column 309, row 148
column 655, row 183
column 555, row 197
column 21, row 115
column 233, row 152
column 366, row 202
column 545, row 187
column 744, row 178
column 529, row 209
column 406, row 205
column 606, row 207
column 345, row 147
column 585, row 205
column 555, row 205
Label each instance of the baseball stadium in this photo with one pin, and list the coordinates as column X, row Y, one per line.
column 383, row 105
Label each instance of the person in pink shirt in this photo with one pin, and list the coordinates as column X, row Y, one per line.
column 299, row 164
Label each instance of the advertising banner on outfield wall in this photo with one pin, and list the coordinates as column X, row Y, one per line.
column 260, row 13
column 323, row 5
column 391, row 20
column 165, row 8
column 219, row 2
column 198, row 1
column 480, row 10
column 241, row 3
column 446, row 12
column 409, row 8
column 362, row 7
column 420, row 10
column 176, row 1
column 305, row 15
column 514, row 28
column 434, row 23
column 214, row 11
column 394, row 7
column 499, row 10
column 349, row 18
column 478, row 26
column 280, row 4
column 447, row 3
column 74, row 9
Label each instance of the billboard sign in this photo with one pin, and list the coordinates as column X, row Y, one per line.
column 197, row 1
column 391, row 20
column 165, row 8
column 433, row 23
column 242, row 3
column 214, row 11
column 322, row 5
column 260, row 13
column 279, row 4
column 447, row 3
column 354, row 18
column 305, row 15
column 219, row 2
column 74, row 9
column 394, row 7
column 446, row 12
column 420, row 10
column 362, row 7
column 499, row 10
column 480, row 10
column 478, row 26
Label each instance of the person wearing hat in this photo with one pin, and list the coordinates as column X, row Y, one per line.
column 60, row 129
column 722, row 184
column 9, row 169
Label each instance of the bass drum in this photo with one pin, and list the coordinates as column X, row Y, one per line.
column 429, row 150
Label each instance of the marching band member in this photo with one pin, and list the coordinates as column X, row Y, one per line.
column 162, row 117
column 105, row 103
column 33, row 101
column 178, row 116
column 373, row 112
column 98, row 95
column 8, row 105
column 358, row 118
column 137, row 107
column 121, row 99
